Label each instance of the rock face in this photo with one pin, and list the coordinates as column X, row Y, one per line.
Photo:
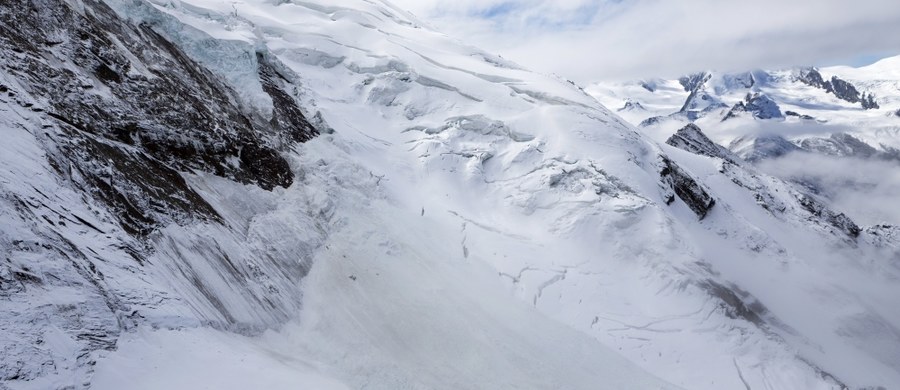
column 813, row 78
column 694, row 82
column 119, row 114
column 758, row 105
column 798, row 115
column 177, row 116
column 843, row 90
column 632, row 105
column 836, row 220
column 868, row 102
column 699, row 102
column 686, row 188
column 692, row 139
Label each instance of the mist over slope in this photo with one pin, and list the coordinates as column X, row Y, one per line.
column 844, row 122
column 327, row 194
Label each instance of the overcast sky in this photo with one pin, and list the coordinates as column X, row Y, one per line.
column 588, row 40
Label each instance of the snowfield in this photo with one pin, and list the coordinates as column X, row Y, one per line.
column 459, row 223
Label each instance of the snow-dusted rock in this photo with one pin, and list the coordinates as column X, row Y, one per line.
column 692, row 139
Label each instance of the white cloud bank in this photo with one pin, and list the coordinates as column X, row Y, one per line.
column 866, row 190
column 589, row 40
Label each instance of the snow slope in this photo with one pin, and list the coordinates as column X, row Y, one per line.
column 460, row 223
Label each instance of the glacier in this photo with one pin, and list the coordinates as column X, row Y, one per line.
column 332, row 195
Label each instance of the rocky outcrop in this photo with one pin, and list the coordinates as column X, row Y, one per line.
column 631, row 105
column 694, row 82
column 868, row 101
column 692, row 139
column 757, row 104
column 699, row 101
column 843, row 90
column 143, row 113
column 682, row 185
column 812, row 77
column 798, row 115
column 823, row 213
column 119, row 120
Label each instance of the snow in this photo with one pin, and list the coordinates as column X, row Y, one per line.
column 832, row 115
column 471, row 224
column 203, row 358
column 421, row 117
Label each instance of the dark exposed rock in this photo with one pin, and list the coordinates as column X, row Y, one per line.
column 843, row 90
column 694, row 82
column 631, row 105
column 140, row 189
column 798, row 115
column 106, row 73
column 837, row 220
column 686, row 188
column 813, row 78
column 699, row 99
column 177, row 117
column 287, row 117
column 692, row 139
column 266, row 164
column 759, row 105
column 653, row 120
column 868, row 101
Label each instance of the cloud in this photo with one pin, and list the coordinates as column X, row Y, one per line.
column 865, row 189
column 589, row 40
column 725, row 132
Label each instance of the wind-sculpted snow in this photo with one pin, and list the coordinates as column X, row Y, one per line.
column 460, row 223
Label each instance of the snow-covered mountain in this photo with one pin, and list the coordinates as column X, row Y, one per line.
column 795, row 104
column 832, row 130
column 331, row 195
